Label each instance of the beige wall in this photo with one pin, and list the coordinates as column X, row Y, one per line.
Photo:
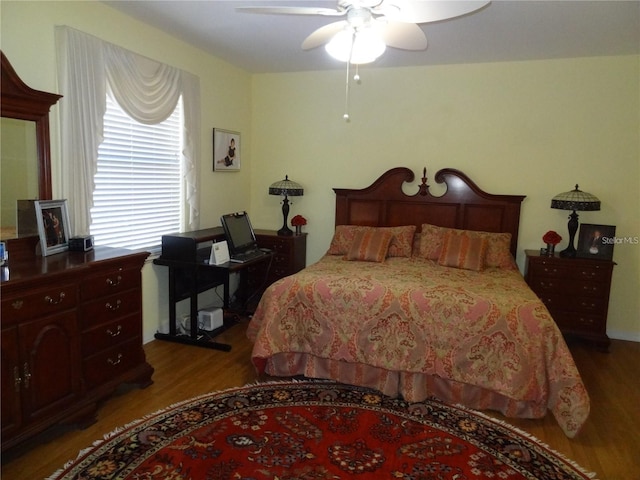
column 533, row 128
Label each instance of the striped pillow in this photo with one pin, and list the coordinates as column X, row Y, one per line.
column 370, row 246
column 461, row 250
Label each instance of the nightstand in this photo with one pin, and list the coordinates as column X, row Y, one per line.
column 576, row 292
column 290, row 253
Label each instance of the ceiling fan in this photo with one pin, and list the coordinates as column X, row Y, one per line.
column 372, row 25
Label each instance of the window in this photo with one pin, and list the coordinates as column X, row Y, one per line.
column 138, row 188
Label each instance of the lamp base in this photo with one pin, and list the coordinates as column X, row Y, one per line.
column 285, row 232
column 570, row 251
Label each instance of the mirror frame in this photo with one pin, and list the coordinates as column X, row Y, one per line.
column 19, row 101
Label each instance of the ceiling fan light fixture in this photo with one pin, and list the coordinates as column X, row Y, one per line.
column 356, row 46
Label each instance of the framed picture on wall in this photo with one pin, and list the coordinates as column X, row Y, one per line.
column 596, row 241
column 226, row 150
column 53, row 226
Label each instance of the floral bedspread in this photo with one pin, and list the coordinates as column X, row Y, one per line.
column 411, row 327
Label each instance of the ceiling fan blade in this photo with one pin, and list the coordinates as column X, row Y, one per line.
column 323, row 35
column 330, row 12
column 419, row 11
column 406, row 36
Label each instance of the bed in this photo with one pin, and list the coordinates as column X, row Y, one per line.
column 419, row 295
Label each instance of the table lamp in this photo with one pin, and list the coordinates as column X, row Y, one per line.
column 287, row 188
column 574, row 200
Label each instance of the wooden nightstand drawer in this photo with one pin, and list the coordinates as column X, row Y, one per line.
column 543, row 285
column 547, row 269
column 591, row 272
column 555, row 301
column 580, row 323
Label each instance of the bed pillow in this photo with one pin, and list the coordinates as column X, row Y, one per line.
column 401, row 243
column 461, row 249
column 431, row 240
column 343, row 237
column 498, row 245
column 370, row 245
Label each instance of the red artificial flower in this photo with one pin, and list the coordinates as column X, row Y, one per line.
column 552, row 238
column 298, row 221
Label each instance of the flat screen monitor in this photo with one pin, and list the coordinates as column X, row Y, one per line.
column 240, row 235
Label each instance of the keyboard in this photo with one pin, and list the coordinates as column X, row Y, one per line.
column 246, row 256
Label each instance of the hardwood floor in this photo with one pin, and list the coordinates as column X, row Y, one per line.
column 609, row 444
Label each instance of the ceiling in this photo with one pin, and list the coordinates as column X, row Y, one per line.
column 502, row 31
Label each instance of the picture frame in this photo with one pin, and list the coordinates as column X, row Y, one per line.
column 596, row 241
column 52, row 217
column 226, row 150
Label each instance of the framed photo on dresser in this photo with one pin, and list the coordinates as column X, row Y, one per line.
column 596, row 241
column 53, row 226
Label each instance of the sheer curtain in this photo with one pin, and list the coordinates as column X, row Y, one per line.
column 147, row 90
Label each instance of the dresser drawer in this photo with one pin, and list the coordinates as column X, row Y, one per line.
column 110, row 364
column 558, row 302
column 581, row 323
column 109, row 282
column 40, row 303
column 110, row 334
column 110, row 308
column 283, row 262
column 275, row 243
column 548, row 269
column 544, row 285
column 594, row 272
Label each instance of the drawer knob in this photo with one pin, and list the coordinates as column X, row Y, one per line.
column 118, row 359
column 53, row 301
column 117, row 332
column 113, row 306
column 17, row 379
column 27, row 375
column 114, row 283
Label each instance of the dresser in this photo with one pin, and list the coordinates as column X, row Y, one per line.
column 576, row 292
column 71, row 334
column 289, row 254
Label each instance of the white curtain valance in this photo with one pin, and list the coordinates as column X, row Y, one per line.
column 147, row 90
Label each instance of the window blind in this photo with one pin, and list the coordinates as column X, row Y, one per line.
column 138, row 189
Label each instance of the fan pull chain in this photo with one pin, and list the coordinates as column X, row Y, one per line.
column 356, row 78
column 346, row 97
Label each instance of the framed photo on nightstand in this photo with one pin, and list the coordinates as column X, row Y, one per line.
column 596, row 241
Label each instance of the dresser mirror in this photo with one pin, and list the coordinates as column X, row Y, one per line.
column 25, row 162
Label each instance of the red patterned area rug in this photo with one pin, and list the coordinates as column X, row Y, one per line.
column 317, row 430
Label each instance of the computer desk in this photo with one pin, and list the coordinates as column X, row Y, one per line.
column 188, row 279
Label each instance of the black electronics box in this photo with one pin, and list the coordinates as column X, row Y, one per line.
column 81, row 244
column 188, row 246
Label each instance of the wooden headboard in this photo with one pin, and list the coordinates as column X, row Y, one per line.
column 464, row 205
